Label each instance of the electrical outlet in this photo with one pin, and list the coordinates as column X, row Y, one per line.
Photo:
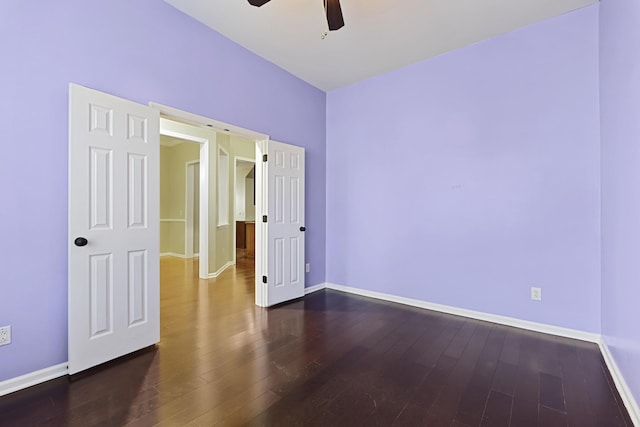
column 5, row 335
column 307, row 268
column 536, row 294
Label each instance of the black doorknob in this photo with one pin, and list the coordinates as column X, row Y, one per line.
column 80, row 241
column 302, row 228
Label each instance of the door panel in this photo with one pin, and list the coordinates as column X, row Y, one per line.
column 285, row 206
column 137, row 200
column 114, row 282
column 101, row 285
column 101, row 178
column 138, row 287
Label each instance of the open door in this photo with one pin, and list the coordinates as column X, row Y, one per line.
column 114, row 274
column 281, row 264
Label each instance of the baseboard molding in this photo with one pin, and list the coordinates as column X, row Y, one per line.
column 314, row 288
column 32, row 378
column 173, row 254
column 478, row 315
column 221, row 270
column 620, row 383
column 183, row 256
column 622, row 386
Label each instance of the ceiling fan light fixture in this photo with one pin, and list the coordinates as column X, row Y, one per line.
column 331, row 7
column 257, row 3
column 334, row 14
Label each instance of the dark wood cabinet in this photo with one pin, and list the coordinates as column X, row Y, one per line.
column 240, row 235
column 246, row 237
column 250, row 239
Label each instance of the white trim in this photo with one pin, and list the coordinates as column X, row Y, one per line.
column 261, row 141
column 177, row 255
column 33, row 378
column 221, row 270
column 189, row 201
column 478, row 315
column 172, row 220
column 222, row 190
column 204, row 242
column 201, row 121
column 622, row 386
column 314, row 288
column 262, row 256
column 173, row 254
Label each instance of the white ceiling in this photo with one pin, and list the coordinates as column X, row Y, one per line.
column 378, row 36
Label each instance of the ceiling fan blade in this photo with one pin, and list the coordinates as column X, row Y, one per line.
column 334, row 14
column 258, row 3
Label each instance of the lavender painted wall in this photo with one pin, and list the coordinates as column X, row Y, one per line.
column 620, row 132
column 468, row 178
column 141, row 50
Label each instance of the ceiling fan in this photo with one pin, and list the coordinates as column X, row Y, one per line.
column 332, row 9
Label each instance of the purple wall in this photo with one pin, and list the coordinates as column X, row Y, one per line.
column 470, row 177
column 143, row 50
column 620, row 123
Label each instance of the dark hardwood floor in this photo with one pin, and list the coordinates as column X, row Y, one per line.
column 331, row 359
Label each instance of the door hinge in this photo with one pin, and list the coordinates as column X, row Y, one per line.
column 264, row 157
column 264, row 279
column 264, row 218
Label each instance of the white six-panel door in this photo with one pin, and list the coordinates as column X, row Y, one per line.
column 285, row 222
column 114, row 283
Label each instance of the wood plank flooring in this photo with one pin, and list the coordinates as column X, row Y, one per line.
column 331, row 359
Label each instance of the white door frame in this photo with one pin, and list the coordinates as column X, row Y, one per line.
column 203, row 263
column 235, row 171
column 261, row 191
column 189, row 184
column 261, row 194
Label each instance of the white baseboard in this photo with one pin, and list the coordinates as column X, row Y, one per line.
column 32, row 378
column 478, row 315
column 221, row 270
column 314, row 288
column 624, row 390
column 177, row 255
column 621, row 384
column 172, row 254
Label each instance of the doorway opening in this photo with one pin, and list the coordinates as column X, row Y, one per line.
column 179, row 197
column 279, row 235
column 183, row 157
column 245, row 206
column 211, row 231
